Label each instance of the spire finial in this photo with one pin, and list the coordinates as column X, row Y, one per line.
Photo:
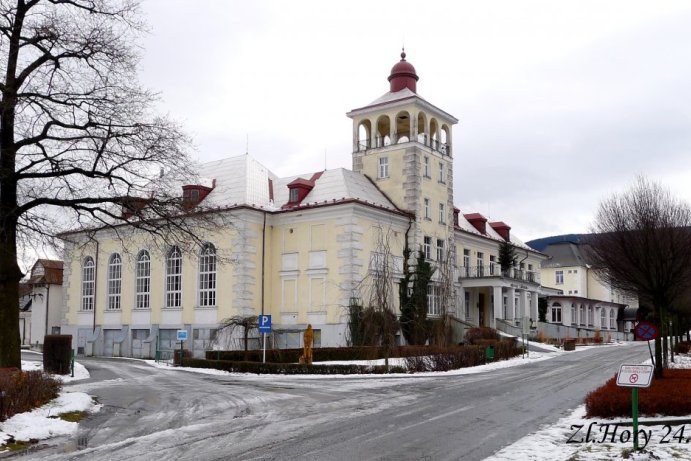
column 403, row 53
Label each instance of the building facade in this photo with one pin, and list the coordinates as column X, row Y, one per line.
column 303, row 248
column 586, row 301
column 41, row 307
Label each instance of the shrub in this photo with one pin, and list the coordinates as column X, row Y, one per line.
column 683, row 347
column 25, row 391
column 57, row 354
column 186, row 353
column 475, row 334
column 569, row 344
column 668, row 396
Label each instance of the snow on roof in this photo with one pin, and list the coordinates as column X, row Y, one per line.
column 402, row 95
column 465, row 225
column 241, row 180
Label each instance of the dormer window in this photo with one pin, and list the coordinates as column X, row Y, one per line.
column 193, row 194
column 294, row 195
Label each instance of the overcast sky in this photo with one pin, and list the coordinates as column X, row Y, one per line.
column 560, row 103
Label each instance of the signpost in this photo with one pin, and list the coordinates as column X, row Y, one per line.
column 635, row 376
column 182, row 337
column 645, row 331
column 264, row 327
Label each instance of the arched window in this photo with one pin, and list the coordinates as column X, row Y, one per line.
column 603, row 318
column 174, row 278
column 114, row 281
column 88, row 283
column 142, row 280
column 207, row 276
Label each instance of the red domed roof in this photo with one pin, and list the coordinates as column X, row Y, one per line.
column 403, row 75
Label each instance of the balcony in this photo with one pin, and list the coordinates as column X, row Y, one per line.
column 494, row 270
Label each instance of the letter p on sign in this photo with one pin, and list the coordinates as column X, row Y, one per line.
column 264, row 324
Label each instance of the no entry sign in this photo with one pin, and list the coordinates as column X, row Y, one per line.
column 645, row 331
column 635, row 375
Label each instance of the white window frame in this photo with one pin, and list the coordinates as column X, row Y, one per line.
column 427, row 247
column 603, row 319
column 88, row 284
column 480, row 264
column 114, row 285
column 383, row 167
column 612, row 320
column 440, row 250
column 173, row 279
column 142, row 281
column 466, row 302
column 426, row 172
column 559, row 277
column 556, row 313
column 442, row 214
column 433, row 299
column 442, row 173
column 207, row 276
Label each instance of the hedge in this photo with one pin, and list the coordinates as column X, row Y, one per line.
column 57, row 354
column 504, row 349
column 26, row 390
column 288, row 368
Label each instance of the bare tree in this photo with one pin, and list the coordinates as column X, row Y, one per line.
column 79, row 144
column 377, row 320
column 245, row 323
column 641, row 244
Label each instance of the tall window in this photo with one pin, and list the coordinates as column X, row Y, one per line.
column 88, row 283
column 207, row 276
column 612, row 320
column 574, row 319
column 383, row 167
column 174, row 278
column 442, row 214
column 480, row 264
column 427, row 211
column 556, row 313
column 440, row 250
column 142, row 280
column 466, row 262
column 466, row 305
column 114, row 281
column 426, row 169
column 603, row 318
column 433, row 299
column 492, row 265
column 427, row 248
column 441, row 172
column 560, row 277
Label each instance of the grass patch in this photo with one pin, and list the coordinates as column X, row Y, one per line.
column 667, row 397
column 18, row 445
column 72, row 416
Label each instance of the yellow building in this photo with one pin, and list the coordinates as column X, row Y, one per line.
column 585, row 300
column 302, row 248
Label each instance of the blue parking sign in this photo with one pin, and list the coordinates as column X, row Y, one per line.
column 264, row 324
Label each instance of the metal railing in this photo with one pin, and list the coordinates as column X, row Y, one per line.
column 494, row 270
column 379, row 142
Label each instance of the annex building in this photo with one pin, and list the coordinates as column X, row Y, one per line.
column 305, row 247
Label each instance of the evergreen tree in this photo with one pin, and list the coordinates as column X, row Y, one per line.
column 507, row 256
column 413, row 294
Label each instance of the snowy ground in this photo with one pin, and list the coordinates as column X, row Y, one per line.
column 42, row 423
column 663, row 441
column 669, row 439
